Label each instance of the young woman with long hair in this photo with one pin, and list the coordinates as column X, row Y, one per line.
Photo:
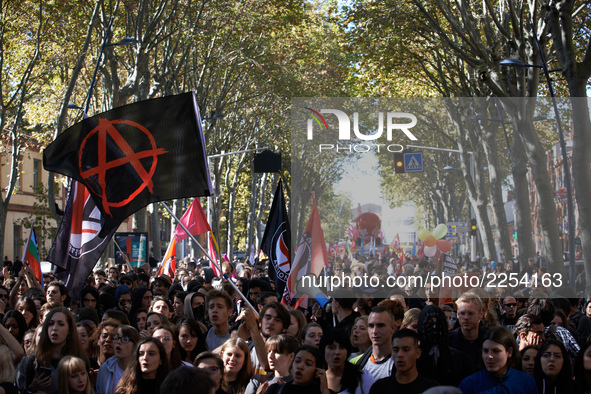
column 15, row 324
column 138, row 321
column 155, row 319
column 190, row 339
column 85, row 332
column 297, row 321
column 147, row 369
column 112, row 370
column 360, row 335
column 26, row 307
column 238, row 368
column 500, row 355
column 165, row 334
column 72, row 376
column 58, row 338
column 142, row 298
column 341, row 375
column 528, row 359
column 552, row 371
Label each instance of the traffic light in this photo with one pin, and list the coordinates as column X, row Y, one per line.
column 399, row 162
column 473, row 228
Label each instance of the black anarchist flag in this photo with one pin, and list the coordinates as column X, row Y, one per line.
column 134, row 155
column 276, row 242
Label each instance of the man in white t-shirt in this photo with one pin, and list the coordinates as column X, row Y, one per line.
column 381, row 326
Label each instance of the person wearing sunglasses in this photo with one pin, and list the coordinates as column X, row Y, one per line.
column 111, row 372
column 128, row 281
column 123, row 299
column 552, row 370
column 509, row 318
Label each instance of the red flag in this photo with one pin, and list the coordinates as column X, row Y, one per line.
column 396, row 243
column 311, row 256
column 194, row 220
column 168, row 266
column 31, row 256
column 214, row 256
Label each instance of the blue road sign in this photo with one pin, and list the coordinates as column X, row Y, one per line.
column 413, row 162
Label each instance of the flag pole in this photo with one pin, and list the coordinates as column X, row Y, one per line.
column 124, row 257
column 208, row 256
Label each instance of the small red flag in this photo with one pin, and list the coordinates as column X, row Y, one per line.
column 194, row 220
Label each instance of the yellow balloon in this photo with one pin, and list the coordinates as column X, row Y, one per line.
column 440, row 231
column 423, row 233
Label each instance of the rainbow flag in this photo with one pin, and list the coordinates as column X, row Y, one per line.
column 31, row 256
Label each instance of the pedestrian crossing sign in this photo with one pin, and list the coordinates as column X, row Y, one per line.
column 413, row 162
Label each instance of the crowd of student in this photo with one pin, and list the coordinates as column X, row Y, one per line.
column 132, row 332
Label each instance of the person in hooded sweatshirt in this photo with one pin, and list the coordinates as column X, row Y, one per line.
column 438, row 361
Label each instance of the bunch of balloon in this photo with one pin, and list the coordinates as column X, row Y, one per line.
column 433, row 242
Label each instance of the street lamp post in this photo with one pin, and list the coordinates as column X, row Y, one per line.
column 125, row 41
column 511, row 62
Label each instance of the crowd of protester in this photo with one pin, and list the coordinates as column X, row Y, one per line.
column 131, row 331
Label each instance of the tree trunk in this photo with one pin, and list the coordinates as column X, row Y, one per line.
column 496, row 193
column 577, row 74
column 582, row 178
column 155, row 232
column 544, row 190
column 139, row 220
column 522, row 204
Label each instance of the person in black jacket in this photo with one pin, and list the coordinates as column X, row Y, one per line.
column 438, row 360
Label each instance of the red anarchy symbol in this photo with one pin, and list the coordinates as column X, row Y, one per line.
column 106, row 128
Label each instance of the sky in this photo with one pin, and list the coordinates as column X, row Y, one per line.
column 361, row 181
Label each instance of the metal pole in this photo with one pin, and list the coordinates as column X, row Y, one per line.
column 567, row 175
column 98, row 63
column 473, row 213
column 209, row 257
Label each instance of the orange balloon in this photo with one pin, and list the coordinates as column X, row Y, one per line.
column 430, row 241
